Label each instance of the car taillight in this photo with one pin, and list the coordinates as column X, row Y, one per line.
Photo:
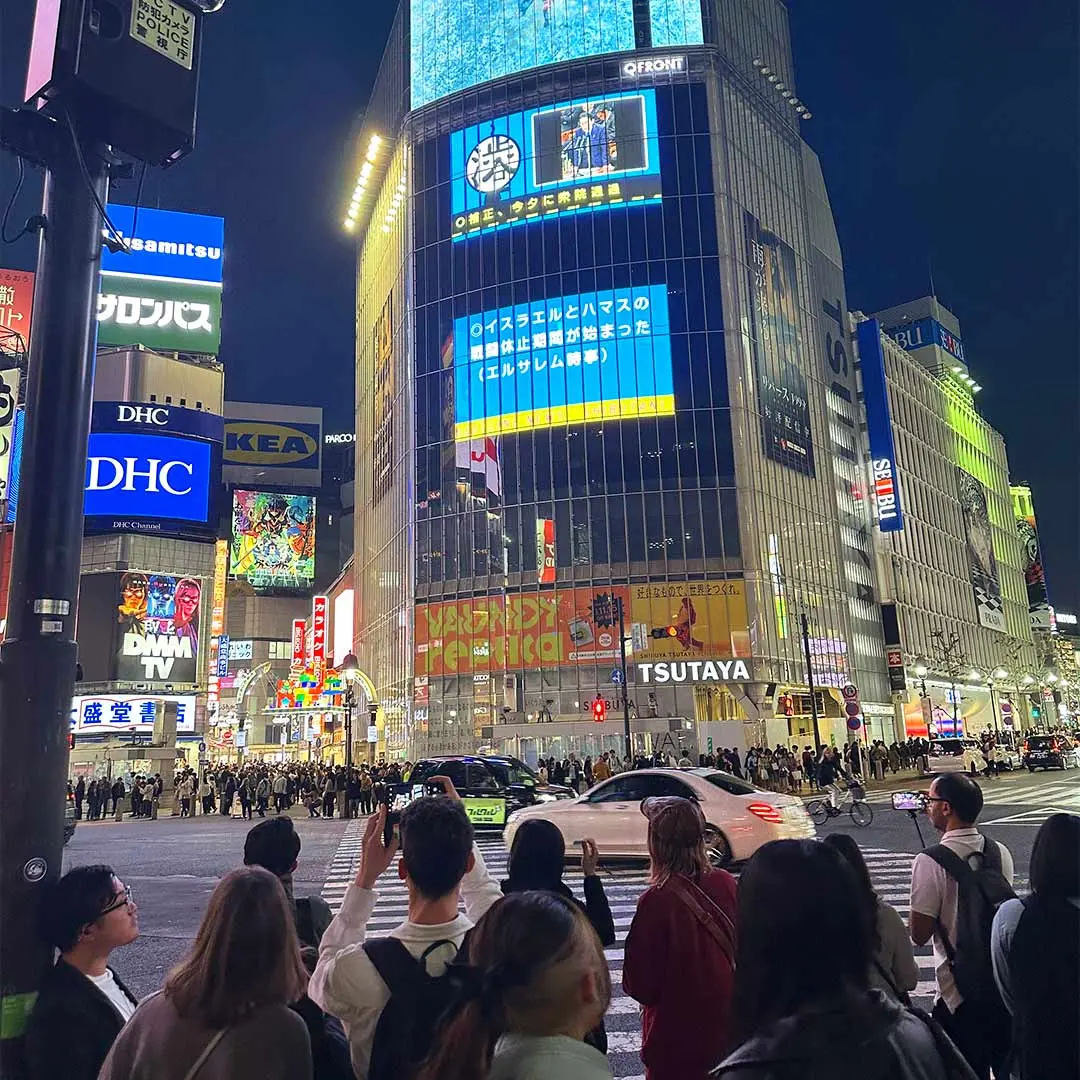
column 1027, row 747
column 766, row 811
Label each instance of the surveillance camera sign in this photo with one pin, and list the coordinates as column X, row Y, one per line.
column 165, row 27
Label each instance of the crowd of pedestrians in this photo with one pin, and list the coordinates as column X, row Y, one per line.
column 797, row 970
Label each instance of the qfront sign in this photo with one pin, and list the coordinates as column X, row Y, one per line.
column 694, row 671
column 166, row 244
column 654, row 65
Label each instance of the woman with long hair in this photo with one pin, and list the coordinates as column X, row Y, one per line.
column 1035, row 947
column 224, row 1013
column 680, row 951
column 803, row 1003
column 537, row 860
column 539, row 983
column 893, row 968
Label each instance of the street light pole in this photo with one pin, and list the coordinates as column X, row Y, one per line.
column 810, row 681
column 622, row 664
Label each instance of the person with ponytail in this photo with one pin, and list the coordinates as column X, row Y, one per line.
column 538, row 983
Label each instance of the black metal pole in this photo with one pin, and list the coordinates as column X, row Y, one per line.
column 348, row 748
column 37, row 660
column 622, row 662
column 810, row 681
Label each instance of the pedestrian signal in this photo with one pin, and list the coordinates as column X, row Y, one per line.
column 599, row 710
column 665, row 631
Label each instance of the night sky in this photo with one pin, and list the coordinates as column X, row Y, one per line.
column 947, row 130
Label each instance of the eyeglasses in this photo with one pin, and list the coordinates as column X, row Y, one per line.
column 118, row 902
column 934, row 798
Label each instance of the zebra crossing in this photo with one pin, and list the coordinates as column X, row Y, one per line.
column 889, row 870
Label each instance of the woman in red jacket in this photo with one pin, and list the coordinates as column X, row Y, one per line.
column 680, row 951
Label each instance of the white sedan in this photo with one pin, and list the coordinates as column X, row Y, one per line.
column 739, row 817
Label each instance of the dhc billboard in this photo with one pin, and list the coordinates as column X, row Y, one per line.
column 886, row 483
column 149, row 469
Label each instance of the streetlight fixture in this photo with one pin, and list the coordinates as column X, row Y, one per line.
column 350, row 668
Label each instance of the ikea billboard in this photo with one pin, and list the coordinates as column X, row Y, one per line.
column 272, row 444
column 574, row 359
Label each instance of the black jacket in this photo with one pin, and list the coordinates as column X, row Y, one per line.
column 72, row 1027
column 872, row 1038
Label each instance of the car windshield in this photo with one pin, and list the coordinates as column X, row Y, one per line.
column 731, row 784
column 512, row 772
column 947, row 747
column 1040, row 742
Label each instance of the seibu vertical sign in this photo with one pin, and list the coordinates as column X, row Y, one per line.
column 885, row 483
column 299, row 650
column 545, row 551
column 320, row 606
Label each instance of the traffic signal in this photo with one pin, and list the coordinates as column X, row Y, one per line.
column 71, row 740
column 664, row 631
column 599, row 709
column 1036, row 709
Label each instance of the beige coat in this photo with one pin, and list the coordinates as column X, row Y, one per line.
column 159, row 1044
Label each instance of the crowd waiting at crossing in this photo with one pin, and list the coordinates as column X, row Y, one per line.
column 797, row 969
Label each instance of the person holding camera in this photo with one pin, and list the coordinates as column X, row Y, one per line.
column 391, row 993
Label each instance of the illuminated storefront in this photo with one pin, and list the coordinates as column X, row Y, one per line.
column 591, row 360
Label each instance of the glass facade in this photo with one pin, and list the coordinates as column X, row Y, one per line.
column 598, row 367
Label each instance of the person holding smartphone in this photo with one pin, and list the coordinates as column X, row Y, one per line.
column 536, row 863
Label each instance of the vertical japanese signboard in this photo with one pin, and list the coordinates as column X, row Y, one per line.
column 16, row 304
column 545, row 551
column 320, row 606
column 217, row 616
column 299, row 650
column 879, row 428
column 383, row 342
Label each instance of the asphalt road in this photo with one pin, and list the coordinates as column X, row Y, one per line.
column 173, row 865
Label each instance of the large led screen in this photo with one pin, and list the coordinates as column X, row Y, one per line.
column 273, row 540
column 578, row 155
column 158, row 616
column 571, row 359
column 776, row 345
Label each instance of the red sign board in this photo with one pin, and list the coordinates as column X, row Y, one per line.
column 16, row 302
column 545, row 551
column 298, row 652
column 320, row 606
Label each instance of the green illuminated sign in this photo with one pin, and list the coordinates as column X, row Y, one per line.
column 166, row 314
column 486, row 811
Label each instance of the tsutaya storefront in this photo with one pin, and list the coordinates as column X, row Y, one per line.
column 677, row 705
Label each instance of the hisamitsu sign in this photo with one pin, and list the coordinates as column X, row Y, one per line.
column 166, row 244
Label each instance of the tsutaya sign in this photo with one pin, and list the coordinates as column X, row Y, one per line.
column 694, row 671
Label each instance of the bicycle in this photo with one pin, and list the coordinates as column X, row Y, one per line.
column 820, row 810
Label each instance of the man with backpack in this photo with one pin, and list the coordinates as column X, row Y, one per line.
column 956, row 889
column 393, row 993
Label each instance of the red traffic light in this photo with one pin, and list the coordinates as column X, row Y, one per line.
column 599, row 710
column 664, row 631
column 71, row 740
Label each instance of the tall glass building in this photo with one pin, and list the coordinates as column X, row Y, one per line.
column 602, row 350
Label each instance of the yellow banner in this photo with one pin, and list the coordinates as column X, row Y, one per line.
column 486, row 811
column 709, row 618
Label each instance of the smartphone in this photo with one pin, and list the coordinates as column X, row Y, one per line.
column 393, row 822
column 908, row 800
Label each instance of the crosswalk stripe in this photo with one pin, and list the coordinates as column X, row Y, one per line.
column 890, row 872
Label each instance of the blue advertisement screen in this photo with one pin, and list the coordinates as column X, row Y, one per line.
column 879, row 427
column 676, row 22
column 567, row 360
column 166, row 244
column 584, row 154
column 14, row 465
column 155, row 477
column 457, row 45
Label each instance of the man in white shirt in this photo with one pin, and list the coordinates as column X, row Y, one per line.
column 980, row 1030
column 441, row 865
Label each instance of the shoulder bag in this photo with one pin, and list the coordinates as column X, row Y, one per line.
column 208, row 1049
column 707, row 912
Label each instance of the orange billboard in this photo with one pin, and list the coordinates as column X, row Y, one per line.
column 501, row 633
column 709, row 618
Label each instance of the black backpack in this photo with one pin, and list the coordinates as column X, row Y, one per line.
column 980, row 892
column 419, row 1006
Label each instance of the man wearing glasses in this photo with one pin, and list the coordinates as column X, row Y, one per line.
column 82, row 1004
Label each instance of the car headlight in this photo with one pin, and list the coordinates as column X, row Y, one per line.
column 510, row 818
column 547, row 797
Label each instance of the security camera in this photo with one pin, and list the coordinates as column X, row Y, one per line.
column 208, row 7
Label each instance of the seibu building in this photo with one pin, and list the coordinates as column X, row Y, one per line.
column 603, row 350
